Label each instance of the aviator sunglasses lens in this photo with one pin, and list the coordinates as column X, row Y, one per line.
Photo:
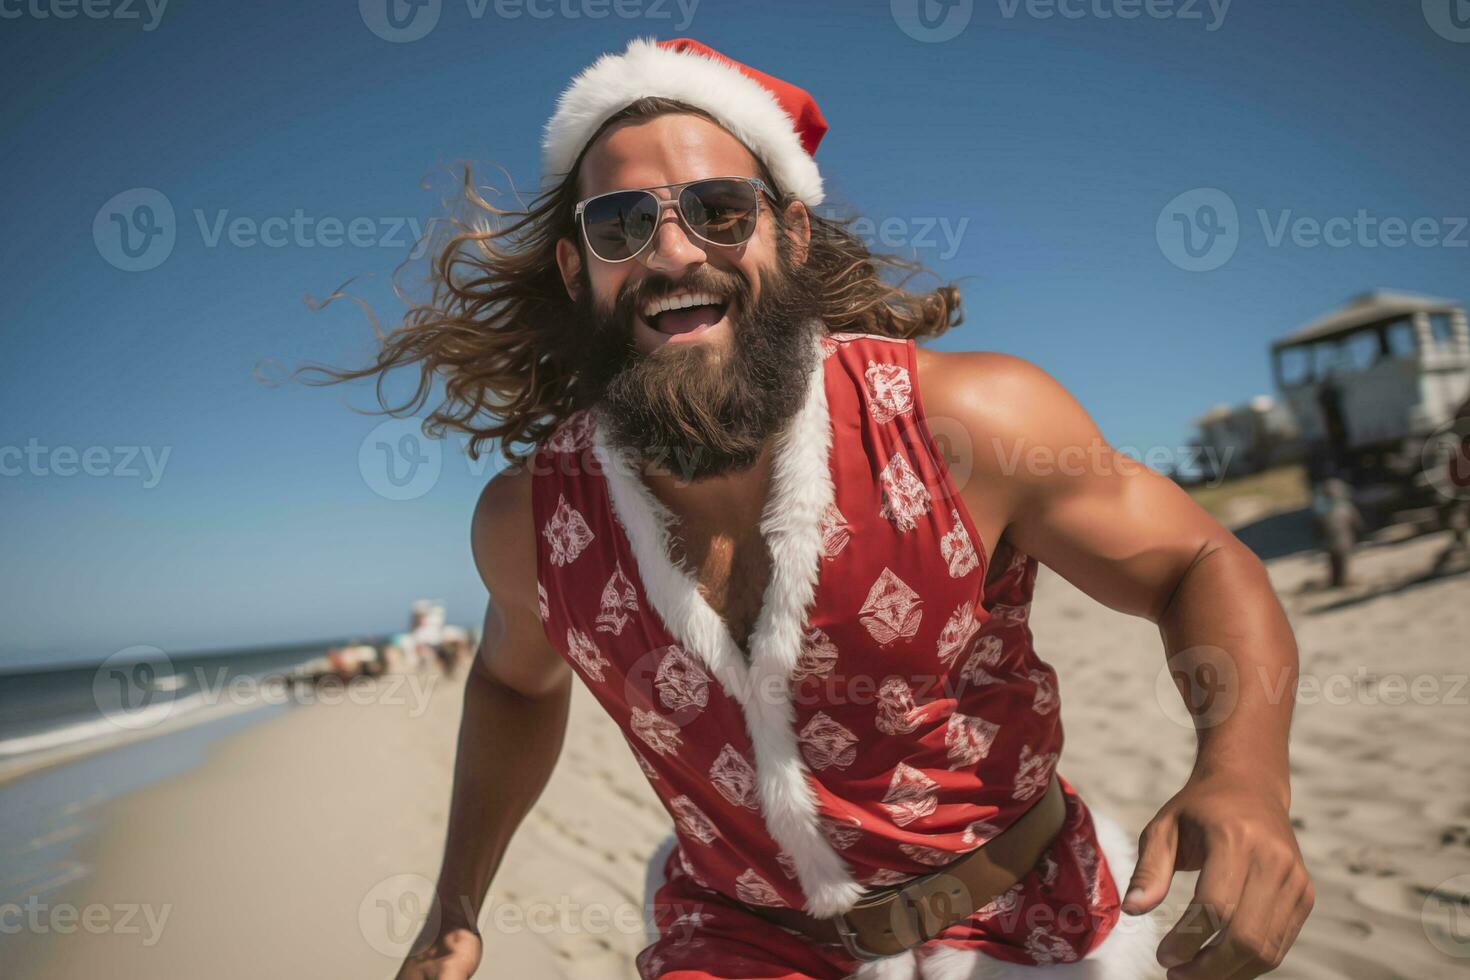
column 619, row 224
column 720, row 210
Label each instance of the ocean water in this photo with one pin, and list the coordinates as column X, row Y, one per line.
column 45, row 815
column 74, row 737
column 134, row 696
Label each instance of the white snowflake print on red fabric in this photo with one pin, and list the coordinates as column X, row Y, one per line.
column 826, row 743
column 658, row 732
column 841, row 832
column 890, row 392
column 1045, row 700
column 752, row 889
column 958, row 631
column 829, row 346
column 734, row 778
column 818, row 655
column 905, row 498
column 1003, row 904
column 690, row 921
column 957, row 549
column 681, row 683
column 543, row 609
column 983, row 658
column 1018, row 560
column 896, row 712
column 692, row 821
column 884, row 877
column 979, row 832
column 574, row 434
column 891, row 611
column 835, row 532
column 1033, row 773
column 687, row 866
column 1048, row 873
column 911, row 795
column 1009, row 615
column 1086, row 857
column 644, row 764
column 933, row 856
column 567, row 532
column 1047, row 948
column 968, row 739
column 787, row 863
column 584, row 652
column 619, row 599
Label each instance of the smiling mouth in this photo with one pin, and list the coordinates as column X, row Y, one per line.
column 690, row 314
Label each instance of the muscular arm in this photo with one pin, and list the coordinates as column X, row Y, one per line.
column 515, row 712
column 1135, row 541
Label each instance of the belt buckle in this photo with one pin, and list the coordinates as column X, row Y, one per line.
column 896, row 898
column 849, row 937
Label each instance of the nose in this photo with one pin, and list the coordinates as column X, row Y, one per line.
column 672, row 249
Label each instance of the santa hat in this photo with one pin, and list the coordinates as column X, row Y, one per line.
column 778, row 121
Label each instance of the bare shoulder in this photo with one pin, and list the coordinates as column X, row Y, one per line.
column 1006, row 403
column 998, row 390
column 503, row 537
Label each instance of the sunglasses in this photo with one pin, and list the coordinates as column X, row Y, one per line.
column 619, row 225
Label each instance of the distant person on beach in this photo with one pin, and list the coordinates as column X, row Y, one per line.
column 1339, row 524
column 1454, row 507
column 738, row 532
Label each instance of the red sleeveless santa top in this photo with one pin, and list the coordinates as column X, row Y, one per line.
column 892, row 715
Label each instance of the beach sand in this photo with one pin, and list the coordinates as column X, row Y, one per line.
column 286, row 854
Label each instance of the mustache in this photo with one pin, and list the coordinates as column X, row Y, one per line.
column 634, row 297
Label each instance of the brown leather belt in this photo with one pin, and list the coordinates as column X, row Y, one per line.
column 898, row 918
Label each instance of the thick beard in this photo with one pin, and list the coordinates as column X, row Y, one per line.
column 688, row 407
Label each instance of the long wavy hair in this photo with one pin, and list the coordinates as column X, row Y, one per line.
column 497, row 324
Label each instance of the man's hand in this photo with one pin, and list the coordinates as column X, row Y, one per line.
column 1253, row 885
column 453, row 955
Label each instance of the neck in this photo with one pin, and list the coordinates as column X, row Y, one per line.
column 735, row 499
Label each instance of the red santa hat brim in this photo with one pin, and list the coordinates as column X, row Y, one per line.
column 750, row 111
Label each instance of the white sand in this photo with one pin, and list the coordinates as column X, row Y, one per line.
column 273, row 858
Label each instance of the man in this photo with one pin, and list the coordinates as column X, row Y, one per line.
column 1453, row 485
column 738, row 530
column 1339, row 522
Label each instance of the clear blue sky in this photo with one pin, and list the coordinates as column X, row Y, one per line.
column 1052, row 144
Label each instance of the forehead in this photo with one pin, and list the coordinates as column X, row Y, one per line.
column 667, row 149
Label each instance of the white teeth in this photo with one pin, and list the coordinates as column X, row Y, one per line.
column 679, row 301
